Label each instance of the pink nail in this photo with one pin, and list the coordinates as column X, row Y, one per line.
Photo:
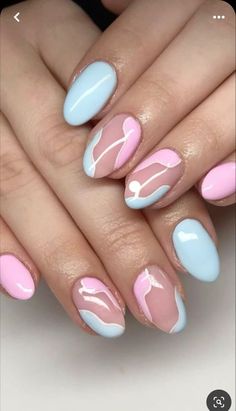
column 153, row 178
column 15, row 278
column 98, row 307
column 219, row 182
column 159, row 300
column 112, row 146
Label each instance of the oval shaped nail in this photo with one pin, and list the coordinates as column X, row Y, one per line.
column 219, row 182
column 159, row 300
column 153, row 178
column 15, row 278
column 112, row 146
column 196, row 250
column 98, row 307
column 89, row 92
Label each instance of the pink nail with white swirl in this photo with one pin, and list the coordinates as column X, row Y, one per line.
column 153, row 178
column 111, row 146
column 98, row 307
column 159, row 300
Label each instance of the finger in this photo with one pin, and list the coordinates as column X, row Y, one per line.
column 204, row 138
column 218, row 186
column 121, row 238
column 187, row 235
column 179, row 80
column 19, row 275
column 69, row 265
column 53, row 33
column 109, row 67
column 116, row 6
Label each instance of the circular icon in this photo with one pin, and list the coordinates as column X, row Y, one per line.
column 219, row 400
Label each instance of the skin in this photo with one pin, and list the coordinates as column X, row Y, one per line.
column 186, row 105
column 91, row 231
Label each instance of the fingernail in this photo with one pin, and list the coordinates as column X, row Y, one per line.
column 15, row 278
column 153, row 178
column 98, row 307
column 219, row 182
column 159, row 300
column 112, row 146
column 196, row 250
column 89, row 92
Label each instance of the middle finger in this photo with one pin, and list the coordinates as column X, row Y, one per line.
column 177, row 81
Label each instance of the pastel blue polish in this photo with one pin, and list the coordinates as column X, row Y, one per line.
column 99, row 326
column 89, row 92
column 88, row 161
column 196, row 250
column 142, row 202
column 182, row 320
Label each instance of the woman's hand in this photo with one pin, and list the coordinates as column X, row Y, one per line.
column 164, row 72
column 95, row 254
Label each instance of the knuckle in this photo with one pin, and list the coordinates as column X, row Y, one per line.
column 121, row 236
column 60, row 145
column 15, row 173
column 201, row 130
column 163, row 89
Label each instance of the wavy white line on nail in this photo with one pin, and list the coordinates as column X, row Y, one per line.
column 94, row 286
column 112, row 146
column 110, row 330
column 159, row 300
column 153, row 178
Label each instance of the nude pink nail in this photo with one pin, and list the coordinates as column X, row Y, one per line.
column 112, row 146
column 219, row 182
column 98, row 307
column 159, row 300
column 15, row 278
column 153, row 178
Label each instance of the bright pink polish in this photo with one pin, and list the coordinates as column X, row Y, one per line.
column 112, row 146
column 219, row 182
column 15, row 278
column 159, row 300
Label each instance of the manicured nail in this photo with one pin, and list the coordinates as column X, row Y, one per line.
column 98, row 307
column 196, row 250
column 159, row 300
column 112, row 146
column 15, row 278
column 219, row 182
column 89, row 92
column 153, row 178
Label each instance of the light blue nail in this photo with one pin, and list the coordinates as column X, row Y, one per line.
column 196, row 250
column 100, row 327
column 89, row 92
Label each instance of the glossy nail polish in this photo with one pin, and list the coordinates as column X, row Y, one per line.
column 89, row 92
column 219, row 182
column 159, row 300
column 112, row 146
column 153, row 178
column 196, row 250
column 98, row 307
column 15, row 278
